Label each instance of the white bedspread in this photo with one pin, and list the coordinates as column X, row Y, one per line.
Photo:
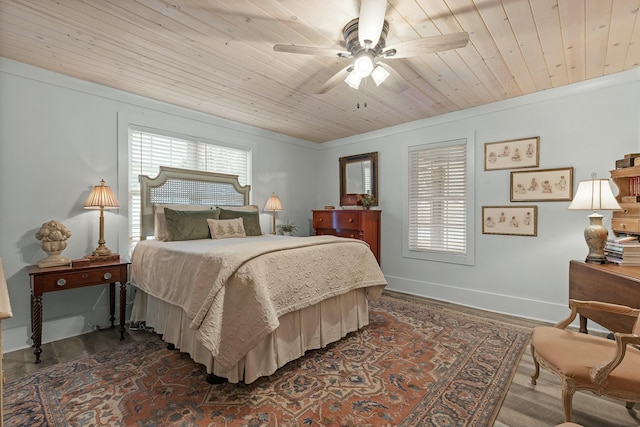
column 234, row 290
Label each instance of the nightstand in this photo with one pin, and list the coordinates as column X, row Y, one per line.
column 53, row 279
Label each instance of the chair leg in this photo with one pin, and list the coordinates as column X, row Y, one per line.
column 568, row 389
column 536, row 374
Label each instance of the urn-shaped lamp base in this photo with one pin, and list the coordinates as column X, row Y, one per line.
column 596, row 236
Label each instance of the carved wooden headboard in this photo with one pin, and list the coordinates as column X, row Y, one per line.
column 187, row 187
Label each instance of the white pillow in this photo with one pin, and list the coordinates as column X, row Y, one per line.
column 160, row 222
column 226, row 228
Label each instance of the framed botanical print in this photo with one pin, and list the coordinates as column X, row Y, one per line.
column 542, row 185
column 510, row 220
column 512, row 154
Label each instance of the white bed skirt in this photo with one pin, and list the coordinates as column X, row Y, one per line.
column 310, row 328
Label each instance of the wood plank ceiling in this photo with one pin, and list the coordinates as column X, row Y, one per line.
column 217, row 56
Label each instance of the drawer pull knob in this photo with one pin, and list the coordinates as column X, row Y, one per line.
column 107, row 276
column 85, row 275
column 61, row 282
column 350, row 219
column 321, row 219
column 353, row 236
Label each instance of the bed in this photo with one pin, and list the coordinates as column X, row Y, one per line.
column 241, row 305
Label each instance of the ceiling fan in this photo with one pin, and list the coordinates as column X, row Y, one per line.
column 365, row 39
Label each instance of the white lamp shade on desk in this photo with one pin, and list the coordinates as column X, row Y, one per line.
column 595, row 195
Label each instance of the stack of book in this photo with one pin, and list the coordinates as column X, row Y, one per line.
column 623, row 251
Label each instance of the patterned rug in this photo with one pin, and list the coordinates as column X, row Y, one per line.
column 414, row 365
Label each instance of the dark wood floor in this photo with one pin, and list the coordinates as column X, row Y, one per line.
column 524, row 406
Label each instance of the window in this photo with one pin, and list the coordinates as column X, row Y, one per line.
column 439, row 223
column 150, row 149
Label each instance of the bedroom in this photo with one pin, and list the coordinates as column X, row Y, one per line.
column 60, row 135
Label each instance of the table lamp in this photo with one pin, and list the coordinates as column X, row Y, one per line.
column 274, row 205
column 594, row 195
column 102, row 198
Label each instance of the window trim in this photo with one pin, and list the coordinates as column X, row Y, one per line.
column 433, row 142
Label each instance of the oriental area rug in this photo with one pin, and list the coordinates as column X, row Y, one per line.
column 416, row 364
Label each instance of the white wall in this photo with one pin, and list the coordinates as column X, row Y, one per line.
column 59, row 136
column 586, row 126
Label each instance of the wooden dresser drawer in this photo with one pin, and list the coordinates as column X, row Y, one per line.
column 348, row 221
column 323, row 219
column 70, row 279
column 340, row 220
column 629, row 209
column 626, row 225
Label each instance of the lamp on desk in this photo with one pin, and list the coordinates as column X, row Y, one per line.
column 274, row 205
column 102, row 198
column 594, row 195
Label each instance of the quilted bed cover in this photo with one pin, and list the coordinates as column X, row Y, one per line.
column 234, row 290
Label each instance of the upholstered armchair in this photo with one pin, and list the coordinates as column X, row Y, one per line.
column 588, row 362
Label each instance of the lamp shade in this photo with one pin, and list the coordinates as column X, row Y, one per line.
column 273, row 203
column 379, row 74
column 353, row 80
column 101, row 197
column 594, row 195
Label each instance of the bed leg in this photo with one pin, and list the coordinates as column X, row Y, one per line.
column 214, row 379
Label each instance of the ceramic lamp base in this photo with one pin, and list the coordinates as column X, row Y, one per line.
column 596, row 237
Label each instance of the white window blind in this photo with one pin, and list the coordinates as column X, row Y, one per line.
column 438, row 199
column 148, row 150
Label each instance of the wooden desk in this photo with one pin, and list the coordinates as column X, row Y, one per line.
column 60, row 278
column 607, row 283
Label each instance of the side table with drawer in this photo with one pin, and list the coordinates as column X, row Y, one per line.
column 53, row 279
column 356, row 224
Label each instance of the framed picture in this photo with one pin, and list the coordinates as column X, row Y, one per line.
column 510, row 220
column 543, row 185
column 512, row 154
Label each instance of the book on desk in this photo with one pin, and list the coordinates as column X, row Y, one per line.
column 623, row 251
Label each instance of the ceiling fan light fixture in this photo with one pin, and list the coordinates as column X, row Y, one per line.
column 353, row 80
column 379, row 74
column 363, row 64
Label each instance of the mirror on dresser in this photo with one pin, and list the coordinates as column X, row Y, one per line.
column 358, row 175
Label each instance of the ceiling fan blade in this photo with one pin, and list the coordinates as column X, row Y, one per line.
column 371, row 21
column 310, row 50
column 427, row 45
column 396, row 82
column 337, row 78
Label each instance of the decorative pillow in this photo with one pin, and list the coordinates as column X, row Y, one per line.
column 251, row 220
column 160, row 222
column 226, row 228
column 188, row 225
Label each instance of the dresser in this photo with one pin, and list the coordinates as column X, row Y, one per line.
column 356, row 224
column 607, row 283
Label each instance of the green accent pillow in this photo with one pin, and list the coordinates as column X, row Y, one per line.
column 189, row 225
column 251, row 220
